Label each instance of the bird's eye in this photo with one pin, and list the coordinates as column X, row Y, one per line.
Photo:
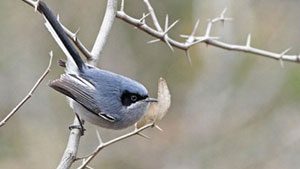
column 128, row 98
column 133, row 98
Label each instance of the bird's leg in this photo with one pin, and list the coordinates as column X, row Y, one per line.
column 80, row 126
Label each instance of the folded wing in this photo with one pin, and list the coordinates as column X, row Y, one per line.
column 78, row 89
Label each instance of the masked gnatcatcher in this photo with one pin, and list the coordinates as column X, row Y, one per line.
column 101, row 97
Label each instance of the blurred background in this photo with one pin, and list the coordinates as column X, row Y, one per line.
column 229, row 109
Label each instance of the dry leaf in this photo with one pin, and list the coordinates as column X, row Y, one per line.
column 157, row 110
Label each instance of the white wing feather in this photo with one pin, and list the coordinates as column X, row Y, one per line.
column 71, row 66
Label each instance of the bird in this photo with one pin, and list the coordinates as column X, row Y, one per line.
column 99, row 96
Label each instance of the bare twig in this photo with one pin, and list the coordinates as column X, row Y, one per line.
column 102, row 145
column 38, row 82
column 153, row 16
column 191, row 40
column 71, row 150
column 78, row 43
column 93, row 55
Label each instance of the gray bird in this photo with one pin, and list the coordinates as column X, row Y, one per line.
column 98, row 96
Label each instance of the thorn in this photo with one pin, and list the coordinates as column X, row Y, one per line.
column 171, row 26
column 58, row 18
column 77, row 31
column 285, row 51
column 143, row 135
column 99, row 137
column 187, row 53
column 168, row 43
column 135, row 126
column 205, row 38
column 142, row 20
column 281, row 63
column 156, row 126
column 153, row 41
column 195, row 28
column 88, row 167
column 51, row 53
column 223, row 12
column 281, row 56
column 208, row 29
column 75, row 34
column 191, row 38
column 248, row 43
column 166, row 22
column 184, row 36
column 36, row 4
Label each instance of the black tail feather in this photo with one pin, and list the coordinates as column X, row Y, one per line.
column 43, row 8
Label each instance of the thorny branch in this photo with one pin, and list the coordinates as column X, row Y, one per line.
column 29, row 95
column 102, row 144
column 192, row 39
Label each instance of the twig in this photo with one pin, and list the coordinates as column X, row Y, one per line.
column 109, row 16
column 71, row 150
column 192, row 40
column 108, row 20
column 102, row 145
column 153, row 16
column 29, row 95
column 77, row 42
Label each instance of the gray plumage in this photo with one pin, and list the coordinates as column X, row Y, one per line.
column 98, row 96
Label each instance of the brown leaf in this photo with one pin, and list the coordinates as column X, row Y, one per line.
column 157, row 110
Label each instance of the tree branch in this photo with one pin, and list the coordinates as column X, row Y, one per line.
column 192, row 40
column 71, row 150
column 29, row 95
column 108, row 20
column 102, row 145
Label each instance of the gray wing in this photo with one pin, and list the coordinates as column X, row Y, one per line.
column 78, row 89
column 81, row 91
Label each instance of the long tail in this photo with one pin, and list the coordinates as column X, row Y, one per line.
column 60, row 36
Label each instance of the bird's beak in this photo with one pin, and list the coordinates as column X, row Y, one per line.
column 150, row 100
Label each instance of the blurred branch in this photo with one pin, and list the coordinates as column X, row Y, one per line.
column 192, row 40
column 29, row 95
column 102, row 144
